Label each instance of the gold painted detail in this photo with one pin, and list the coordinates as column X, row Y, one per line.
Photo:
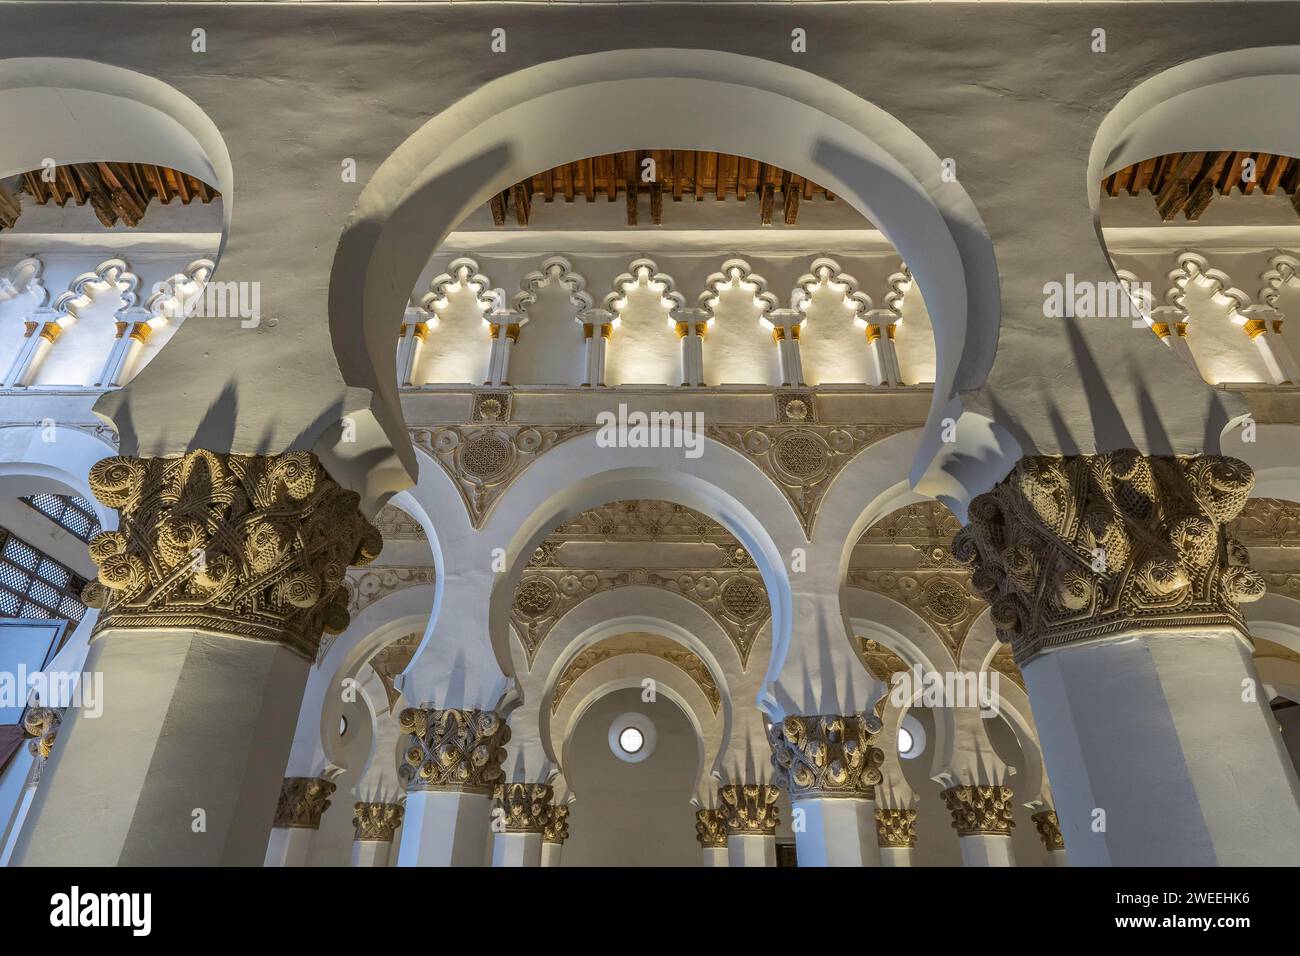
column 1072, row 549
column 802, row 459
column 377, row 821
column 303, row 800
column 51, row 331
column 796, row 407
column 396, row 525
column 41, row 724
column 711, row 828
column 484, row 460
column 557, row 825
column 978, row 809
column 523, row 807
column 366, row 587
column 749, row 808
column 391, row 659
column 827, row 755
column 245, row 545
column 1049, row 829
column 941, row 596
column 458, row 750
column 735, row 598
column 685, row 660
column 1268, row 522
column 882, row 663
column 1004, row 662
column 895, row 828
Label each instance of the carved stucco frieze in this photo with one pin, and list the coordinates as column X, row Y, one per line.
column 458, row 750
column 1004, row 662
column 711, row 828
column 978, row 809
column 802, row 459
column 1049, row 829
column 1268, row 522
column 684, row 659
column 523, row 807
column 396, row 525
column 557, row 825
column 365, row 586
column 1072, row 549
column 735, row 598
column 827, row 755
column 895, row 827
column 303, row 800
column 749, row 808
column 881, row 663
column 391, row 659
column 942, row 597
column 377, row 821
column 483, row 460
column 248, row 545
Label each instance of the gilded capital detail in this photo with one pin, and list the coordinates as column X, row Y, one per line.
column 377, row 821
column 750, row 808
column 459, row 750
column 1072, row 549
column 557, row 825
column 895, row 828
column 980, row 810
column 247, row 545
column 827, row 755
column 41, row 724
column 303, row 800
column 524, row 807
column 1049, row 829
column 711, row 828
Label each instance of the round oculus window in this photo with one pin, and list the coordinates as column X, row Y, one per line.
column 631, row 740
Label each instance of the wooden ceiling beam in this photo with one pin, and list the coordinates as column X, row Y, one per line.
column 10, row 209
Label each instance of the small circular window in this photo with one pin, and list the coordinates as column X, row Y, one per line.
column 632, row 737
column 911, row 738
column 343, row 726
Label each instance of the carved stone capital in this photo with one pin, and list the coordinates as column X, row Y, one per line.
column 977, row 809
column 525, row 807
column 557, row 825
column 750, row 808
column 895, row 828
column 711, row 828
column 248, row 545
column 377, row 821
column 1072, row 549
column 41, row 724
column 303, row 800
column 827, row 755
column 460, row 750
column 1049, row 829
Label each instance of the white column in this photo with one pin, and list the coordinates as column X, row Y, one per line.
column 691, row 325
column 517, row 849
column 1169, row 322
column 370, row 852
column 751, row 849
column 720, row 855
column 374, row 825
column 112, row 369
column 982, row 817
column 986, row 849
column 289, row 846
column 835, row 831
column 896, row 856
column 597, row 328
column 17, row 370
column 551, row 853
column 1159, row 755
column 884, row 368
column 785, row 325
column 445, row 828
column 504, row 330
column 136, row 339
column 520, row 816
column 1264, row 326
column 40, row 333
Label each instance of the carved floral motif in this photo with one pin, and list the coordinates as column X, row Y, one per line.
column 895, row 827
column 377, row 821
column 303, row 800
column 750, row 808
column 711, row 828
column 827, row 755
column 523, row 807
column 460, row 750
column 978, row 809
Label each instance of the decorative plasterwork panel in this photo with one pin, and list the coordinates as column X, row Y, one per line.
column 555, row 269
column 640, row 520
column 1004, row 662
column 391, row 659
column 924, row 521
column 366, row 586
column 484, row 460
column 942, row 597
column 802, row 459
column 644, row 272
column 1268, row 522
column 735, row 598
column 396, row 525
column 1285, row 583
column 882, row 663
column 826, row 273
column 737, row 273
column 686, row 660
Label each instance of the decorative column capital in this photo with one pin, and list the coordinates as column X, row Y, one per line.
column 827, row 755
column 525, row 807
column 711, row 828
column 750, row 808
column 303, row 800
column 41, row 724
column 1049, row 829
column 247, row 545
column 895, row 827
column 1073, row 549
column 458, row 750
column 978, row 809
column 556, row 829
column 377, row 821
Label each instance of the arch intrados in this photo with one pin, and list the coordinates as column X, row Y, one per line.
column 541, row 117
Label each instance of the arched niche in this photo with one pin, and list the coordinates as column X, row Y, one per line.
column 556, row 112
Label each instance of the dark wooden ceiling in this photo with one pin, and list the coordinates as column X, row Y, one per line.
column 1188, row 182
column 118, row 192
column 678, row 173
